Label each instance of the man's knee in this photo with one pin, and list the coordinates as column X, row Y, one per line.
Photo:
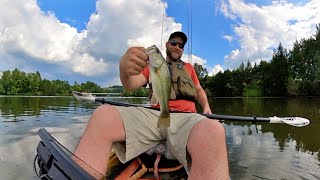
column 210, row 127
column 105, row 113
column 206, row 133
column 104, row 110
column 107, row 119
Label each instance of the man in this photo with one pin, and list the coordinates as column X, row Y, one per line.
column 131, row 131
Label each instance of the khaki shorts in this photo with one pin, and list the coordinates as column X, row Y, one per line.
column 142, row 133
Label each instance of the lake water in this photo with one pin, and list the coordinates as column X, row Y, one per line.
column 255, row 151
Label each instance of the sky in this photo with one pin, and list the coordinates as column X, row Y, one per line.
column 81, row 41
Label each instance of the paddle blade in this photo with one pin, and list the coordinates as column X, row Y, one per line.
column 293, row 121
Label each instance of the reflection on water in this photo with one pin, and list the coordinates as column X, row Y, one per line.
column 254, row 154
column 256, row 151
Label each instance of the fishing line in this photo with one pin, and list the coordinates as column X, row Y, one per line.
column 163, row 13
column 189, row 17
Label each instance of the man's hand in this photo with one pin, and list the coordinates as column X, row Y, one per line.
column 131, row 64
column 133, row 61
column 207, row 110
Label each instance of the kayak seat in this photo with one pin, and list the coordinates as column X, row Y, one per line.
column 149, row 165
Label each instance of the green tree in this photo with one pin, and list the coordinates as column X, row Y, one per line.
column 280, row 72
column 5, row 82
column 293, row 87
column 76, row 87
column 200, row 70
column 18, row 82
column 34, row 81
column 91, row 87
column 46, row 88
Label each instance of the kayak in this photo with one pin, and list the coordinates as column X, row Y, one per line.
column 54, row 162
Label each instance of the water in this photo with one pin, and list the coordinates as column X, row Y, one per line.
column 255, row 151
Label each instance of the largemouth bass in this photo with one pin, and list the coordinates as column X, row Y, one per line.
column 161, row 84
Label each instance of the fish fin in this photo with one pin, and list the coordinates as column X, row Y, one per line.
column 172, row 94
column 164, row 120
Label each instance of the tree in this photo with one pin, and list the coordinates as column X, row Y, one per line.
column 76, row 87
column 201, row 71
column 34, row 81
column 5, row 82
column 90, row 87
column 293, row 87
column 46, row 88
column 280, row 72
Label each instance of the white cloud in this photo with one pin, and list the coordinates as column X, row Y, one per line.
column 193, row 59
column 87, row 65
column 260, row 29
column 26, row 32
column 228, row 38
column 120, row 24
column 25, row 28
column 215, row 70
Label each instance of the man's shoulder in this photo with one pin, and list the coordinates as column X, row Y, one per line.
column 188, row 65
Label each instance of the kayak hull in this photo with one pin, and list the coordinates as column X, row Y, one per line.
column 54, row 162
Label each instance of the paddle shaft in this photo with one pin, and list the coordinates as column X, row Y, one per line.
column 210, row 116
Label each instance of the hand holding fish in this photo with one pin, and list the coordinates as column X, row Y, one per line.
column 133, row 61
column 131, row 64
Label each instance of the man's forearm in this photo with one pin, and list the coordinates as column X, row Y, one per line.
column 125, row 80
column 202, row 99
column 132, row 82
column 128, row 82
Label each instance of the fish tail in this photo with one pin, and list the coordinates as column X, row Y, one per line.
column 164, row 119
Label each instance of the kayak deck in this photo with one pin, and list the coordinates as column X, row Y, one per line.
column 54, row 162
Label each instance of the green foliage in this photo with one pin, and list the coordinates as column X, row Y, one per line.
column 76, row 87
column 315, row 88
column 91, row 87
column 279, row 72
column 140, row 92
column 252, row 91
column 200, row 70
column 115, row 89
column 293, row 87
column 17, row 82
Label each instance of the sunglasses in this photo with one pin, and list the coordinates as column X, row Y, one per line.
column 174, row 43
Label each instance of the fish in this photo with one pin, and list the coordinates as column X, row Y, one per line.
column 161, row 84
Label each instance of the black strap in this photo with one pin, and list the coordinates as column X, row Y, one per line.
column 170, row 68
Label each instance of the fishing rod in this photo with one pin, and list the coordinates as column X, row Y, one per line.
column 293, row 121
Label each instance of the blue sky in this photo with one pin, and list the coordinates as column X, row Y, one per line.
column 84, row 40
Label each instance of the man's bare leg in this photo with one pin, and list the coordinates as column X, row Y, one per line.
column 207, row 147
column 104, row 128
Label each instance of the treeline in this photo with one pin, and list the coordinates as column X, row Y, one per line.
column 140, row 92
column 290, row 73
column 17, row 82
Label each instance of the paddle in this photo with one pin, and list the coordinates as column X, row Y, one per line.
column 293, row 121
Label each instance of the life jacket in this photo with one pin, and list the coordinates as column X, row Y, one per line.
column 182, row 85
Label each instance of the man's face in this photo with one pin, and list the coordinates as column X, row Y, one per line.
column 174, row 52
